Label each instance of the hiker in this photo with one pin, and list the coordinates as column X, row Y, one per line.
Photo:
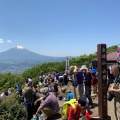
column 61, row 80
column 71, row 76
column 49, row 104
column 19, row 93
column 9, row 91
column 28, row 98
column 18, row 89
column 62, row 93
column 87, row 83
column 110, row 77
column 2, row 95
column 114, row 90
column 57, row 75
column 79, row 79
column 79, row 108
column 41, row 77
column 94, row 81
column 65, row 78
column 45, row 82
column 70, row 94
column 56, row 87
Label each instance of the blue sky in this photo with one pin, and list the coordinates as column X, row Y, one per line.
column 59, row 27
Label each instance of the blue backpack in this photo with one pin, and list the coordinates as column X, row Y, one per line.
column 18, row 87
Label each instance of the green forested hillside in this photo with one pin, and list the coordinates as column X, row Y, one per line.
column 9, row 80
column 8, row 109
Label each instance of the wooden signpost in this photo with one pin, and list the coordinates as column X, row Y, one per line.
column 102, row 83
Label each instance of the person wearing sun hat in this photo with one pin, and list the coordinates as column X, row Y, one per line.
column 87, row 84
column 84, row 67
column 84, row 79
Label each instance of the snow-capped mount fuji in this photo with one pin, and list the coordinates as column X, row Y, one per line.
column 19, row 59
column 20, row 53
column 19, row 47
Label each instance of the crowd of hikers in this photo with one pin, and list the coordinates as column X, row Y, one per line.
column 73, row 88
column 43, row 102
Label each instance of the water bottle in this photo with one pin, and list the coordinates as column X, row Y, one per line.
column 41, row 117
column 34, row 117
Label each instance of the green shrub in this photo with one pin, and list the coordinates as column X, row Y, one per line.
column 11, row 109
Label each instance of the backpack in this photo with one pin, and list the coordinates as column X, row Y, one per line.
column 66, row 106
column 18, row 87
column 94, row 79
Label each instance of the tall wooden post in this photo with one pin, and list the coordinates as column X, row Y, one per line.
column 102, row 83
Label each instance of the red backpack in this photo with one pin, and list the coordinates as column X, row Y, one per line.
column 94, row 80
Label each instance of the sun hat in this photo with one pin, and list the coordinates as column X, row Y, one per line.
column 83, row 67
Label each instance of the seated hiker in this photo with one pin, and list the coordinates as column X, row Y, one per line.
column 70, row 94
column 62, row 93
column 49, row 104
column 56, row 87
column 76, row 108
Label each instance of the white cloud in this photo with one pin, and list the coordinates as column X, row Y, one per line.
column 1, row 41
column 9, row 41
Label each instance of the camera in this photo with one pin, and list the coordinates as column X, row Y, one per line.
column 110, row 97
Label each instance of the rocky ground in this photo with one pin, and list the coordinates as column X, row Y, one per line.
column 94, row 111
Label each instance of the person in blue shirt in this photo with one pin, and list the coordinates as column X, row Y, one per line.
column 18, row 89
column 70, row 95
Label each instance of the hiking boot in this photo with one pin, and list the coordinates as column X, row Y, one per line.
column 91, row 106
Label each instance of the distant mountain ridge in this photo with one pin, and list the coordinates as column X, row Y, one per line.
column 18, row 59
column 24, row 54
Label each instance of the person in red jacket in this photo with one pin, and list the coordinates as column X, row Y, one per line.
column 80, row 107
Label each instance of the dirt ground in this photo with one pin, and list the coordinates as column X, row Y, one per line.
column 94, row 111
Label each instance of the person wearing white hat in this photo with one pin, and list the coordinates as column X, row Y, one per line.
column 28, row 98
column 84, row 79
column 87, row 84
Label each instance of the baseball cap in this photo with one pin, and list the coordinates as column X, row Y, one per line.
column 82, row 101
